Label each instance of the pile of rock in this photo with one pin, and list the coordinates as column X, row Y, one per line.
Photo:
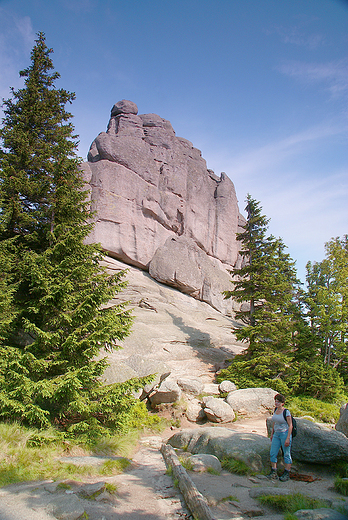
column 203, row 401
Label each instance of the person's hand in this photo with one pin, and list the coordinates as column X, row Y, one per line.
column 287, row 442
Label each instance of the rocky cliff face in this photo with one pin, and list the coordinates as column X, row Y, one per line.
column 159, row 208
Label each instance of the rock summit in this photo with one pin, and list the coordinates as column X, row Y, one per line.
column 158, row 207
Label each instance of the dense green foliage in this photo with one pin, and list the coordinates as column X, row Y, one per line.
column 327, row 304
column 54, row 293
column 296, row 339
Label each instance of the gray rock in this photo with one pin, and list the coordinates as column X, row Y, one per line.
column 250, row 448
column 68, row 508
column 191, row 386
column 179, row 262
column 227, row 386
column 315, row 443
column 211, row 388
column 148, row 186
column 194, row 411
column 319, row 514
column 342, row 423
column 250, row 402
column 204, row 461
column 168, row 392
column 217, row 410
column 90, row 490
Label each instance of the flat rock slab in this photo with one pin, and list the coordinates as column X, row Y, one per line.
column 172, row 332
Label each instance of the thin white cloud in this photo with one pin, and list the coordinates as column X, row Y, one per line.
column 305, row 213
column 295, row 35
column 16, row 40
column 333, row 74
column 25, row 29
column 251, row 162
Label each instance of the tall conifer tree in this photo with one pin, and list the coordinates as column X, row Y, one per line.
column 268, row 284
column 50, row 361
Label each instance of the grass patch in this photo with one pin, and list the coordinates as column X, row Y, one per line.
column 341, row 468
column 111, row 488
column 236, row 466
column 28, row 454
column 186, row 463
column 212, row 471
column 230, row 498
column 341, row 485
column 169, row 470
column 291, row 503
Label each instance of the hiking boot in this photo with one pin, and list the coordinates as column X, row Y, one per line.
column 273, row 475
column 285, row 476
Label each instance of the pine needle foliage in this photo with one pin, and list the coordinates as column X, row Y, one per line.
column 267, row 285
column 292, row 335
column 54, row 293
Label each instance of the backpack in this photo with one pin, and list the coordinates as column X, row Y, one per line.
column 294, row 423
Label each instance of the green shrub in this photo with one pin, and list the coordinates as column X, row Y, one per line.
column 320, row 410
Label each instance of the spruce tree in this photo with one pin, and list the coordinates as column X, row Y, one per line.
column 327, row 303
column 267, row 285
column 52, row 341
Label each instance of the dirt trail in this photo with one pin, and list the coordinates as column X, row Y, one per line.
column 146, row 492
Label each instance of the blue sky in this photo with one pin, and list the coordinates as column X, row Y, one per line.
column 259, row 86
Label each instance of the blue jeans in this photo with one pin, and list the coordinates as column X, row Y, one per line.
column 278, row 440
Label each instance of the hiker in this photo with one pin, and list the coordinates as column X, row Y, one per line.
column 280, row 438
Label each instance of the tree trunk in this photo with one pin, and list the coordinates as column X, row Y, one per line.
column 196, row 502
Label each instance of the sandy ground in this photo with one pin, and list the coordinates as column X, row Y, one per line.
column 147, row 492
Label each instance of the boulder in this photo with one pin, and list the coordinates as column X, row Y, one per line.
column 227, row 387
column 211, row 388
column 204, row 461
column 179, row 262
column 168, row 392
column 191, row 386
column 158, row 207
column 194, row 411
column 124, row 107
column 250, row 402
column 316, row 443
column 217, row 410
column 250, row 448
column 342, row 423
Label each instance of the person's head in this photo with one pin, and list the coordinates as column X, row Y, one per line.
column 280, row 398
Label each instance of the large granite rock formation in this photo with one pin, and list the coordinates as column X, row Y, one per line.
column 159, row 208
